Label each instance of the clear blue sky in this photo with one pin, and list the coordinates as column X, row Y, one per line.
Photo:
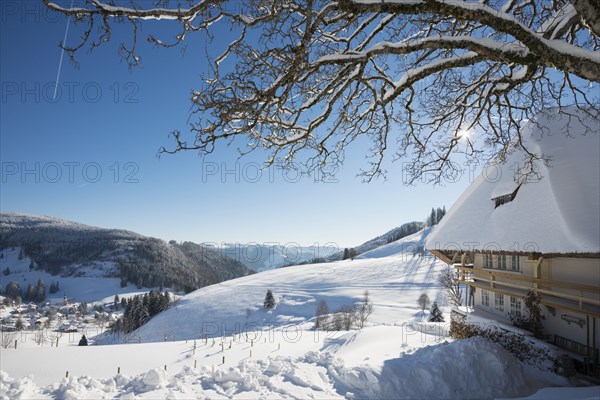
column 90, row 156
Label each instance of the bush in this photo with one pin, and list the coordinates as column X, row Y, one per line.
column 523, row 348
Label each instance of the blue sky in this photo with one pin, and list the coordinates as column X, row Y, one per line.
column 90, row 155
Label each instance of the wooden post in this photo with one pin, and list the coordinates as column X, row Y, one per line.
column 118, row 370
column 251, row 342
column 205, row 339
column 230, row 344
column 15, row 343
column 67, row 374
column 250, row 353
column 195, row 363
column 57, row 341
column 223, row 359
column 165, row 367
column 279, row 346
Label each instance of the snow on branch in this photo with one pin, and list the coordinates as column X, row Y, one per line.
column 302, row 80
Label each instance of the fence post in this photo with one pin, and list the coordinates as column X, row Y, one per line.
column 118, row 370
column 67, row 374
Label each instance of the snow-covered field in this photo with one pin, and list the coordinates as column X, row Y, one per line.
column 218, row 342
column 92, row 288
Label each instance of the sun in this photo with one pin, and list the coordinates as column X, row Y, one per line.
column 464, row 133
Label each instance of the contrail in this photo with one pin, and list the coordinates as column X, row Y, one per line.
column 62, row 53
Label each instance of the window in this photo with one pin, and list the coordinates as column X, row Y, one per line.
column 485, row 298
column 501, row 261
column 515, row 264
column 515, row 306
column 487, row 261
column 506, row 198
column 499, row 301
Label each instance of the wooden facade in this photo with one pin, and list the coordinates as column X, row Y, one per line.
column 568, row 287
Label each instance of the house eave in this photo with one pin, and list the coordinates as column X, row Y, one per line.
column 447, row 255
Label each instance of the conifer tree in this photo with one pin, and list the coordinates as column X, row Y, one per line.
column 30, row 293
column 40, row 291
column 13, row 290
column 269, row 300
column 435, row 315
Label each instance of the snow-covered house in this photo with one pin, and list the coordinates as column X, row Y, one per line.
column 511, row 232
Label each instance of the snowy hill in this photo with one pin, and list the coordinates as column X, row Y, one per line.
column 412, row 244
column 262, row 257
column 67, row 248
column 394, row 283
column 388, row 237
column 218, row 342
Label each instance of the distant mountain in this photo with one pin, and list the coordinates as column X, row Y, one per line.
column 391, row 236
column 72, row 249
column 263, row 257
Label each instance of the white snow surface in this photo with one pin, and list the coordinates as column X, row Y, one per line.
column 93, row 287
column 557, row 213
column 408, row 245
column 278, row 353
column 394, row 283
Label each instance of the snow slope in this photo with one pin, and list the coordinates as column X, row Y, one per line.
column 412, row 244
column 394, row 283
column 557, row 213
column 473, row 368
column 92, row 287
column 277, row 353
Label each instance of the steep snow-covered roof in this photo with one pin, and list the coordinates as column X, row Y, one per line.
column 557, row 213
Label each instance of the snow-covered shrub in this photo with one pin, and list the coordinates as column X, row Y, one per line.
column 525, row 349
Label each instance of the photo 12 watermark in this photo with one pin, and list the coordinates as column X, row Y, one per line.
column 70, row 92
column 72, row 172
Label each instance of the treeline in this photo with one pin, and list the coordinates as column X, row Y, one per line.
column 139, row 309
column 404, row 230
column 435, row 216
column 157, row 263
column 63, row 248
column 36, row 294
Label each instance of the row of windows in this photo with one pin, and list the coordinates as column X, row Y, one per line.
column 515, row 302
column 499, row 261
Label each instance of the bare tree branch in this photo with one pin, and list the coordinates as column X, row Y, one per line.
column 308, row 78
